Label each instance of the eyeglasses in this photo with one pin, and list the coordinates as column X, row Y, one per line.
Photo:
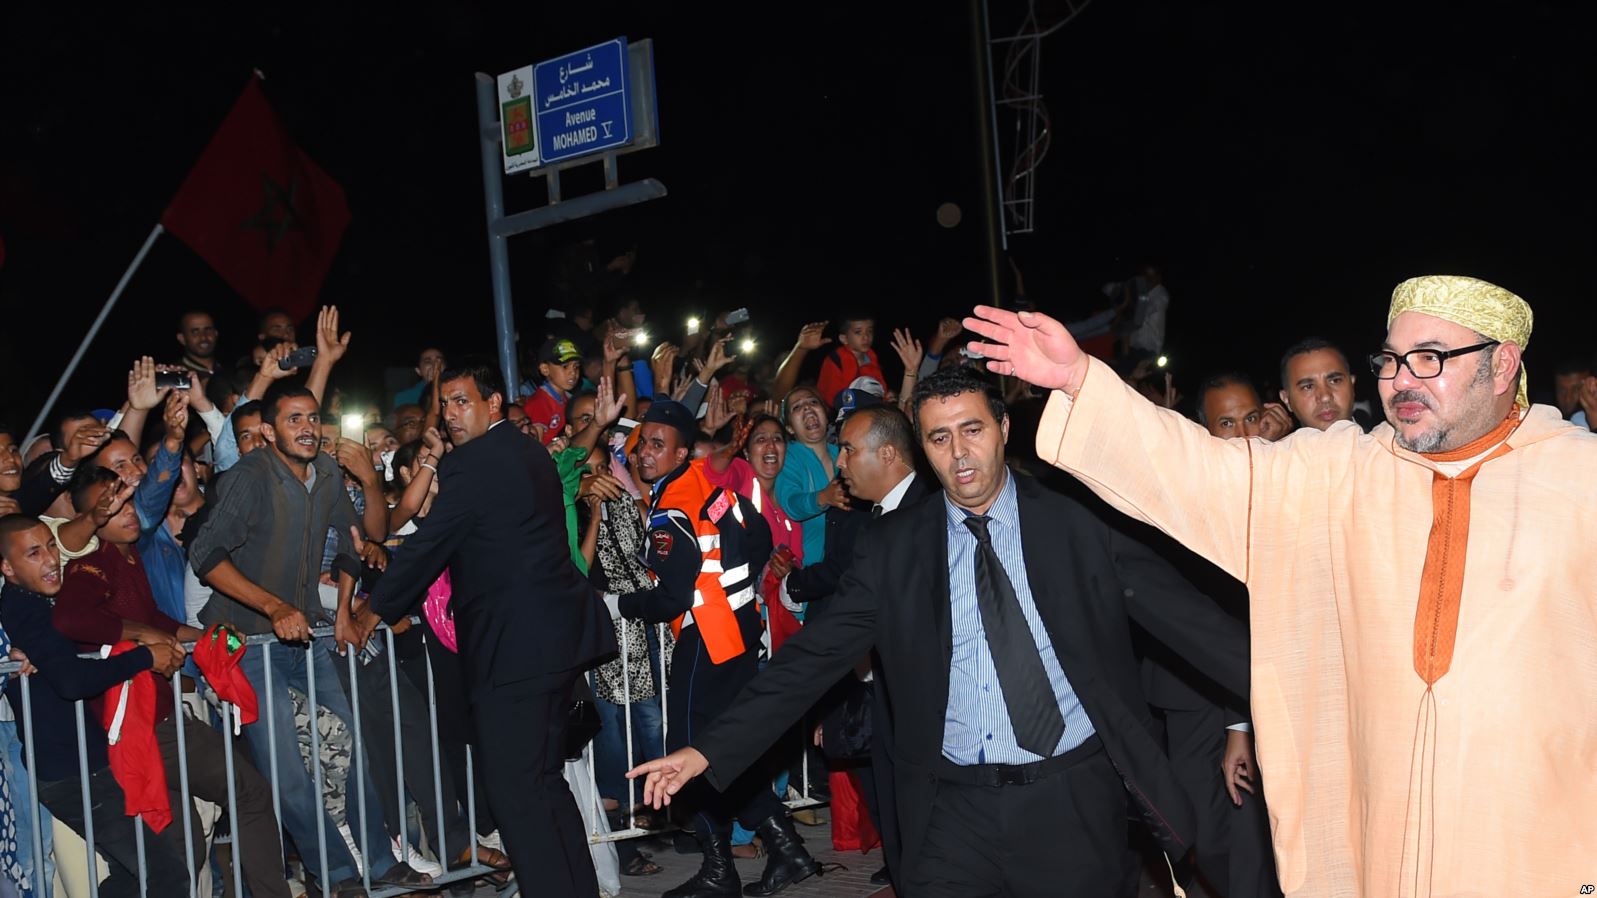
column 1422, row 363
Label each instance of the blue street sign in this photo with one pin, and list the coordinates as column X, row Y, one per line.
column 581, row 102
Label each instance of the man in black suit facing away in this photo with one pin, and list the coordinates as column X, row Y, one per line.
column 526, row 621
column 1006, row 668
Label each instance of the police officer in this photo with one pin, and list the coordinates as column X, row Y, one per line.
column 706, row 548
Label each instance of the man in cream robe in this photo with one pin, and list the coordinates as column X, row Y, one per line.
column 1423, row 598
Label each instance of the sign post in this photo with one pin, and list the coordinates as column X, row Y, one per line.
column 582, row 102
column 588, row 106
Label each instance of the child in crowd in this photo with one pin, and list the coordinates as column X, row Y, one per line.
column 853, row 356
column 560, row 363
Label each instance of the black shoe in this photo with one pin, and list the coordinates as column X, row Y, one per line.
column 349, row 888
column 786, row 860
column 717, row 876
column 880, row 877
column 404, row 876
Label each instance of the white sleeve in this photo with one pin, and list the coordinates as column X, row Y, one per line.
column 214, row 422
column 787, row 600
column 195, row 596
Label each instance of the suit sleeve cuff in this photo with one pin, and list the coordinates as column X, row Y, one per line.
column 348, row 565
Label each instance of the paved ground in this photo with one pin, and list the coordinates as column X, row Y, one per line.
column 853, row 882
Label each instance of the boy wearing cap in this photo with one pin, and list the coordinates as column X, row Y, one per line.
column 560, row 363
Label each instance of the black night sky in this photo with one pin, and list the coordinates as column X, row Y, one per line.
column 1288, row 163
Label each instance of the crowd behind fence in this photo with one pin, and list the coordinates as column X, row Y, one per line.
column 580, row 772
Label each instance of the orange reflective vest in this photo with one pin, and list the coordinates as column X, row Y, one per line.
column 714, row 611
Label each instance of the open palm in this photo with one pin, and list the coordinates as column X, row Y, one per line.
column 1030, row 346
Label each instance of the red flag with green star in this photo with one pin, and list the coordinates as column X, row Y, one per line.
column 255, row 207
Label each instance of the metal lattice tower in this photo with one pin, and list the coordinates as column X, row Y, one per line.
column 1017, row 89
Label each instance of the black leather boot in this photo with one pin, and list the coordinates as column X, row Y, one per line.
column 786, row 860
column 717, row 876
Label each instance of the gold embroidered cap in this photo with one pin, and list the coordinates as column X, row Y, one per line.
column 1478, row 305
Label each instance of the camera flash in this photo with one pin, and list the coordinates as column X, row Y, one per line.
column 640, row 338
column 747, row 345
column 353, row 426
column 1162, row 361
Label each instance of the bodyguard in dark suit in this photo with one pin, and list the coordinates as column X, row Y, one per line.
column 526, row 621
column 999, row 612
column 1201, row 724
column 876, row 459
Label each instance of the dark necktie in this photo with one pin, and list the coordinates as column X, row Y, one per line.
column 1033, row 709
column 876, row 512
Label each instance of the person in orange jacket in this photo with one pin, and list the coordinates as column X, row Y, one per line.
column 706, row 549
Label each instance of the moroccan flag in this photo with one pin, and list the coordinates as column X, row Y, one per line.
column 255, row 207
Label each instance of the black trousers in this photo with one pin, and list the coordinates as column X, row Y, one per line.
column 699, row 690
column 258, row 844
column 456, row 729
column 521, row 730
column 1239, row 861
column 377, row 689
column 165, row 870
column 1062, row 835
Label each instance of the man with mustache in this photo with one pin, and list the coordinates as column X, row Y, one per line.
column 196, row 333
column 260, row 550
column 1424, row 628
column 706, row 547
column 527, row 621
column 1000, row 613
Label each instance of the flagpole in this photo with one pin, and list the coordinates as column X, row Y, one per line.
column 94, row 328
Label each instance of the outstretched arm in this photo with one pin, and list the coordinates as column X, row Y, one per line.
column 809, row 340
column 808, row 664
column 330, row 348
column 1151, row 463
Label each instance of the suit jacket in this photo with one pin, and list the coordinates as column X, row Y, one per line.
column 817, row 586
column 521, row 608
column 816, row 582
column 1086, row 579
column 1169, row 681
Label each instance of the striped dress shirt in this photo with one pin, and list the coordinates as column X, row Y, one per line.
column 976, row 727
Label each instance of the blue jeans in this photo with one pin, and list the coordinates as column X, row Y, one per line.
column 610, row 749
column 648, row 732
column 301, row 805
column 39, row 875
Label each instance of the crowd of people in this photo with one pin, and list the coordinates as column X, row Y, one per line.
column 710, row 549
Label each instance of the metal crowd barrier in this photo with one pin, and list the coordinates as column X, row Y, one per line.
column 598, row 834
column 267, row 645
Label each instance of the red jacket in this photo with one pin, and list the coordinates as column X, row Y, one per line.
column 841, row 367
column 98, row 592
column 134, row 753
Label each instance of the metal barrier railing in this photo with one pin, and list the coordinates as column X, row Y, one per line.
column 268, row 645
column 599, row 834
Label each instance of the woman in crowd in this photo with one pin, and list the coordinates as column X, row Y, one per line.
column 613, row 540
column 808, row 484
